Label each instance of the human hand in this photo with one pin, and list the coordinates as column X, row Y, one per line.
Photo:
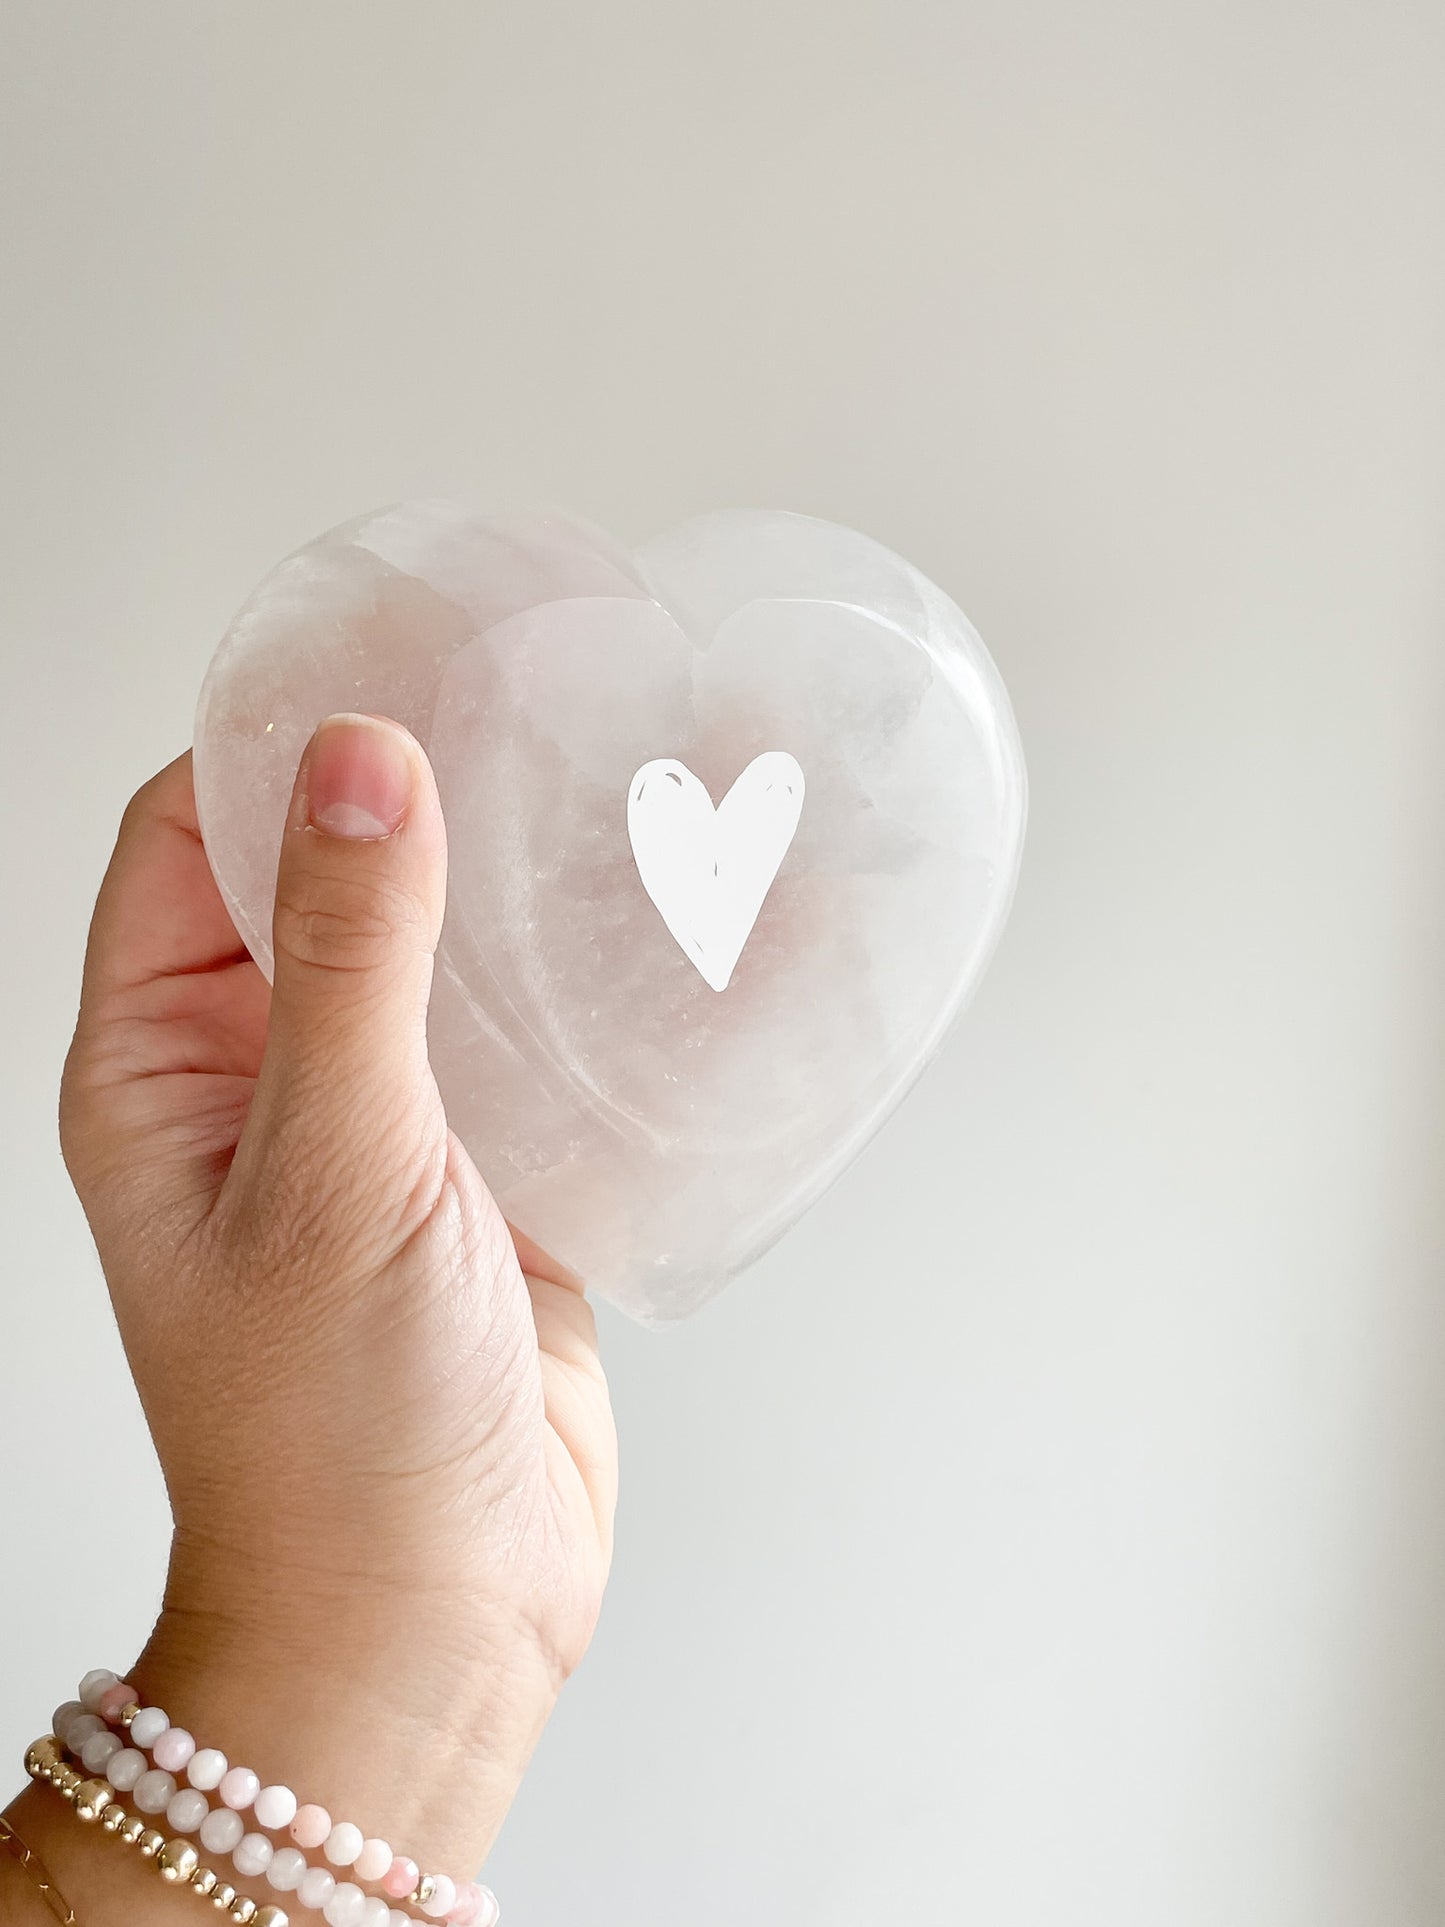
column 384, row 1427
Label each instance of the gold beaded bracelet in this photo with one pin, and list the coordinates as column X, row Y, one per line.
column 176, row 1860
column 35, row 1867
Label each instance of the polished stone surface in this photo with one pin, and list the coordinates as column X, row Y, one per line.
column 652, row 1117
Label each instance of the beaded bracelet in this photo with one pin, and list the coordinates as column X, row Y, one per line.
column 243, row 1850
column 175, row 1860
column 106, row 1701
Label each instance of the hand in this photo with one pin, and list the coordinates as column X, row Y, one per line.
column 383, row 1423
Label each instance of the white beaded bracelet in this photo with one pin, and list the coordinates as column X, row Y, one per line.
column 175, row 1860
column 105, row 1701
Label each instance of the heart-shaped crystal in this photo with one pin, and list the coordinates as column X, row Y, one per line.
column 733, row 826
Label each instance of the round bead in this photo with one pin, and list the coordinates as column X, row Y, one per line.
column 187, row 1810
column 488, row 1912
column 252, row 1854
column 401, row 1877
column 124, row 1768
column 374, row 1860
column 204, row 1881
column 345, row 1906
column 153, row 1791
column 147, row 1726
column 207, row 1768
column 311, row 1826
column 177, row 1860
column 114, row 1700
column 343, row 1844
column 222, row 1894
column 318, row 1884
column 114, row 1818
column 63, row 1715
column 286, row 1868
column 442, row 1899
column 375, row 1913
column 92, row 1797
column 173, row 1749
column 100, row 1749
column 131, row 1829
column 464, row 1911
column 93, row 1686
column 396, row 1918
column 269, row 1916
column 239, row 1787
column 275, row 1807
column 79, row 1729
column 243, row 1908
column 221, row 1830
column 151, row 1842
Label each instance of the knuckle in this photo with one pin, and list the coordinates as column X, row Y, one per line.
column 147, row 804
column 341, row 923
column 142, row 802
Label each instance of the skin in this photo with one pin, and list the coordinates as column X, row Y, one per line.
column 381, row 1416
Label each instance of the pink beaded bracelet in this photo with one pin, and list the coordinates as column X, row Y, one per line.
column 105, row 1702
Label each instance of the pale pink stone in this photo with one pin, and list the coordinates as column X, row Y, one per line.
column 343, row 1843
column 488, row 1912
column 444, row 1897
column 464, row 1914
column 115, row 1699
column 401, row 1877
column 173, row 1749
column 123, row 1769
column 208, row 1768
column 239, row 1787
column 318, row 1884
column 147, row 1726
column 80, row 1730
column 311, row 1826
column 154, row 1791
column 275, row 1807
column 99, row 1748
column 373, row 1861
column 94, row 1686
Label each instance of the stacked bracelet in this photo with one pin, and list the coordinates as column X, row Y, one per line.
column 175, row 1860
column 106, row 1702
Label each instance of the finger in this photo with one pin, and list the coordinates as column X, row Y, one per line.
column 345, row 1096
column 159, row 912
column 169, row 990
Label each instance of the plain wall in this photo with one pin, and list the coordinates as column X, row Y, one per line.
column 1052, row 1529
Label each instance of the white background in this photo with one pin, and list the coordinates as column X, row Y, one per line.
column 1052, row 1529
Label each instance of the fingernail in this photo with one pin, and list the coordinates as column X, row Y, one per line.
column 358, row 780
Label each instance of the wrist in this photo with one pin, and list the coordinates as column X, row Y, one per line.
column 413, row 1715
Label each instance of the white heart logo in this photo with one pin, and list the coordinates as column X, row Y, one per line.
column 708, row 870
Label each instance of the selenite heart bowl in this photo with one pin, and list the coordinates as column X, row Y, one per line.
column 733, row 819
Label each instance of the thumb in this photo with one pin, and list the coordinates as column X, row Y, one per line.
column 345, row 1106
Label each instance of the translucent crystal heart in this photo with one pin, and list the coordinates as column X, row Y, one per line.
column 651, row 1109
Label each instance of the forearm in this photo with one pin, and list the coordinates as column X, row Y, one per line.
column 389, row 1450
